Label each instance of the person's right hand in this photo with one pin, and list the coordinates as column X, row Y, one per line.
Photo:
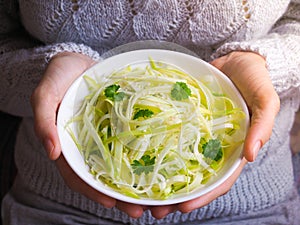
column 61, row 71
column 247, row 70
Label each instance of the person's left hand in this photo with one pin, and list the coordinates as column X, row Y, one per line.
column 248, row 72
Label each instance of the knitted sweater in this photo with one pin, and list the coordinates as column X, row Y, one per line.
column 33, row 31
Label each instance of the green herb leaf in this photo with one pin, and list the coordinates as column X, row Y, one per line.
column 180, row 91
column 213, row 149
column 119, row 96
column 111, row 90
column 146, row 113
column 112, row 93
column 144, row 165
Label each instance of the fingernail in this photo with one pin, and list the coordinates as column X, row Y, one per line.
column 49, row 147
column 256, row 148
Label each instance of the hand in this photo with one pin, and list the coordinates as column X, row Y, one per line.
column 249, row 73
column 62, row 70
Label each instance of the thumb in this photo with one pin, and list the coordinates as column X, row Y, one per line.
column 262, row 121
column 45, row 102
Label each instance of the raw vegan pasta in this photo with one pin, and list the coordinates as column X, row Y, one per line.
column 155, row 131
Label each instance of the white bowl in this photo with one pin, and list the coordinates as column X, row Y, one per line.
column 191, row 65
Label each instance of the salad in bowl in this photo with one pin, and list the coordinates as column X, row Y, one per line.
column 153, row 127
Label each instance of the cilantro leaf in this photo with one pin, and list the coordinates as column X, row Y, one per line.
column 180, row 91
column 213, row 149
column 112, row 93
column 119, row 96
column 111, row 90
column 144, row 165
column 146, row 113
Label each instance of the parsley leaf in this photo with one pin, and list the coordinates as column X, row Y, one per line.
column 180, row 91
column 146, row 113
column 144, row 165
column 112, row 93
column 213, row 149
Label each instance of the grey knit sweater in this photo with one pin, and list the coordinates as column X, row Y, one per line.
column 33, row 31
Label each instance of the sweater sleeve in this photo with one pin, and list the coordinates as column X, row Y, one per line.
column 23, row 60
column 280, row 47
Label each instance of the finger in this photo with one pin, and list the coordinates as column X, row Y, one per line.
column 132, row 210
column 212, row 195
column 160, row 212
column 262, row 122
column 75, row 183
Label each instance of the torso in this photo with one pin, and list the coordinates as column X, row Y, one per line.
column 200, row 24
